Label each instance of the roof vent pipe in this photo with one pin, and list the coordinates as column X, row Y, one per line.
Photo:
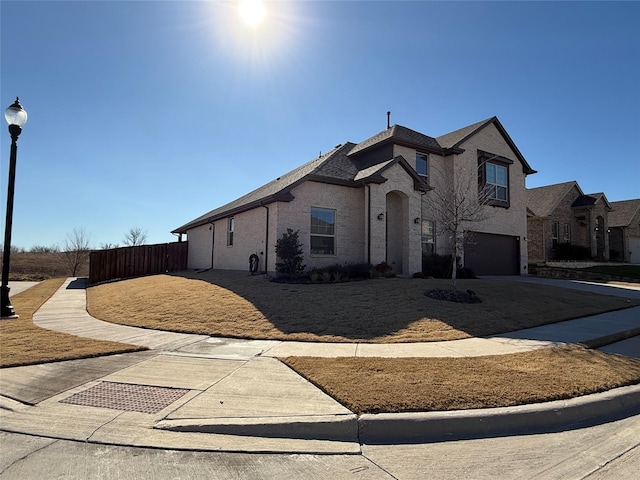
column 388, row 120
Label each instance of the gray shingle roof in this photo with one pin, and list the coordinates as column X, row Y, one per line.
column 334, row 166
column 623, row 212
column 454, row 140
column 591, row 199
column 400, row 135
column 337, row 166
column 542, row 201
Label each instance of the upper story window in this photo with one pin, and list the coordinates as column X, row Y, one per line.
column 231, row 225
column 555, row 231
column 493, row 179
column 422, row 165
column 323, row 228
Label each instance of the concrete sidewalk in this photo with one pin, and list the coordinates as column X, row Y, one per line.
column 204, row 393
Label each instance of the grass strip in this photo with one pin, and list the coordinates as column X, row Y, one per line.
column 394, row 385
column 394, row 310
column 23, row 343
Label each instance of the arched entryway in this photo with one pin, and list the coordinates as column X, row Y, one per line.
column 397, row 231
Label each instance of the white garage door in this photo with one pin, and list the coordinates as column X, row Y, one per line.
column 634, row 249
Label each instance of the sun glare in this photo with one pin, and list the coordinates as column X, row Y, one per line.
column 252, row 12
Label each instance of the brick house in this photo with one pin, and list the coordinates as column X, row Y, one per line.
column 624, row 230
column 373, row 202
column 562, row 213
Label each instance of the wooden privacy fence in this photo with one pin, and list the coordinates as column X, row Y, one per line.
column 127, row 262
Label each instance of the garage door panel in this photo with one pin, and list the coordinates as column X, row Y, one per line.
column 634, row 250
column 489, row 254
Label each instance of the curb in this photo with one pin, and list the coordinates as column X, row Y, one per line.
column 548, row 417
column 429, row 427
column 341, row 428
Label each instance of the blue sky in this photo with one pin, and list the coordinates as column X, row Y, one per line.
column 151, row 113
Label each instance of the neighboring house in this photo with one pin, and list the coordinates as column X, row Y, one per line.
column 373, row 202
column 562, row 213
column 624, row 231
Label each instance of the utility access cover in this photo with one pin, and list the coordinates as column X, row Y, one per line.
column 126, row 396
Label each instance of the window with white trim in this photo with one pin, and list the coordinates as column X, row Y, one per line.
column 323, row 228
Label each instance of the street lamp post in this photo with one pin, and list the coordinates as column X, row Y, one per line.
column 16, row 117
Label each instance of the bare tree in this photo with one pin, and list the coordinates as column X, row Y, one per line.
column 108, row 246
column 455, row 206
column 44, row 249
column 76, row 249
column 135, row 236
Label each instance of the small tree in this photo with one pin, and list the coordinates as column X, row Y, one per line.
column 135, row 236
column 456, row 207
column 75, row 249
column 289, row 251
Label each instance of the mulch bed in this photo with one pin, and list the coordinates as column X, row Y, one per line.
column 456, row 296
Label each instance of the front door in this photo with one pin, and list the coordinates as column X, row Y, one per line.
column 395, row 232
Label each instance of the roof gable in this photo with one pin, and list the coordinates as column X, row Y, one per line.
column 400, row 135
column 374, row 174
column 456, row 139
column 542, row 201
column 624, row 212
column 591, row 199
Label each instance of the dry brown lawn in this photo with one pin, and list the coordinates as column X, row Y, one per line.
column 375, row 385
column 383, row 311
column 23, row 343
column 389, row 310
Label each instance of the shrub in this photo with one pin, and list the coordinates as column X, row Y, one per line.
column 289, row 251
column 384, row 270
column 439, row 266
column 568, row 251
column 436, row 266
column 340, row 273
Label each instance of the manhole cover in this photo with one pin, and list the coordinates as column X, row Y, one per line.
column 125, row 396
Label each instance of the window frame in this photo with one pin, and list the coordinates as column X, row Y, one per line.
column 555, row 233
column 428, row 238
column 231, row 227
column 425, row 156
column 566, row 233
column 322, row 235
column 485, row 159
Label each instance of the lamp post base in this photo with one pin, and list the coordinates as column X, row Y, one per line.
column 6, row 311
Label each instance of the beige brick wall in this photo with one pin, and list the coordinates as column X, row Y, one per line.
column 464, row 169
column 405, row 230
column 199, row 247
column 248, row 238
column 349, row 205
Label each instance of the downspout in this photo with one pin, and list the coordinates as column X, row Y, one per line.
column 213, row 241
column 266, row 240
column 369, row 224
